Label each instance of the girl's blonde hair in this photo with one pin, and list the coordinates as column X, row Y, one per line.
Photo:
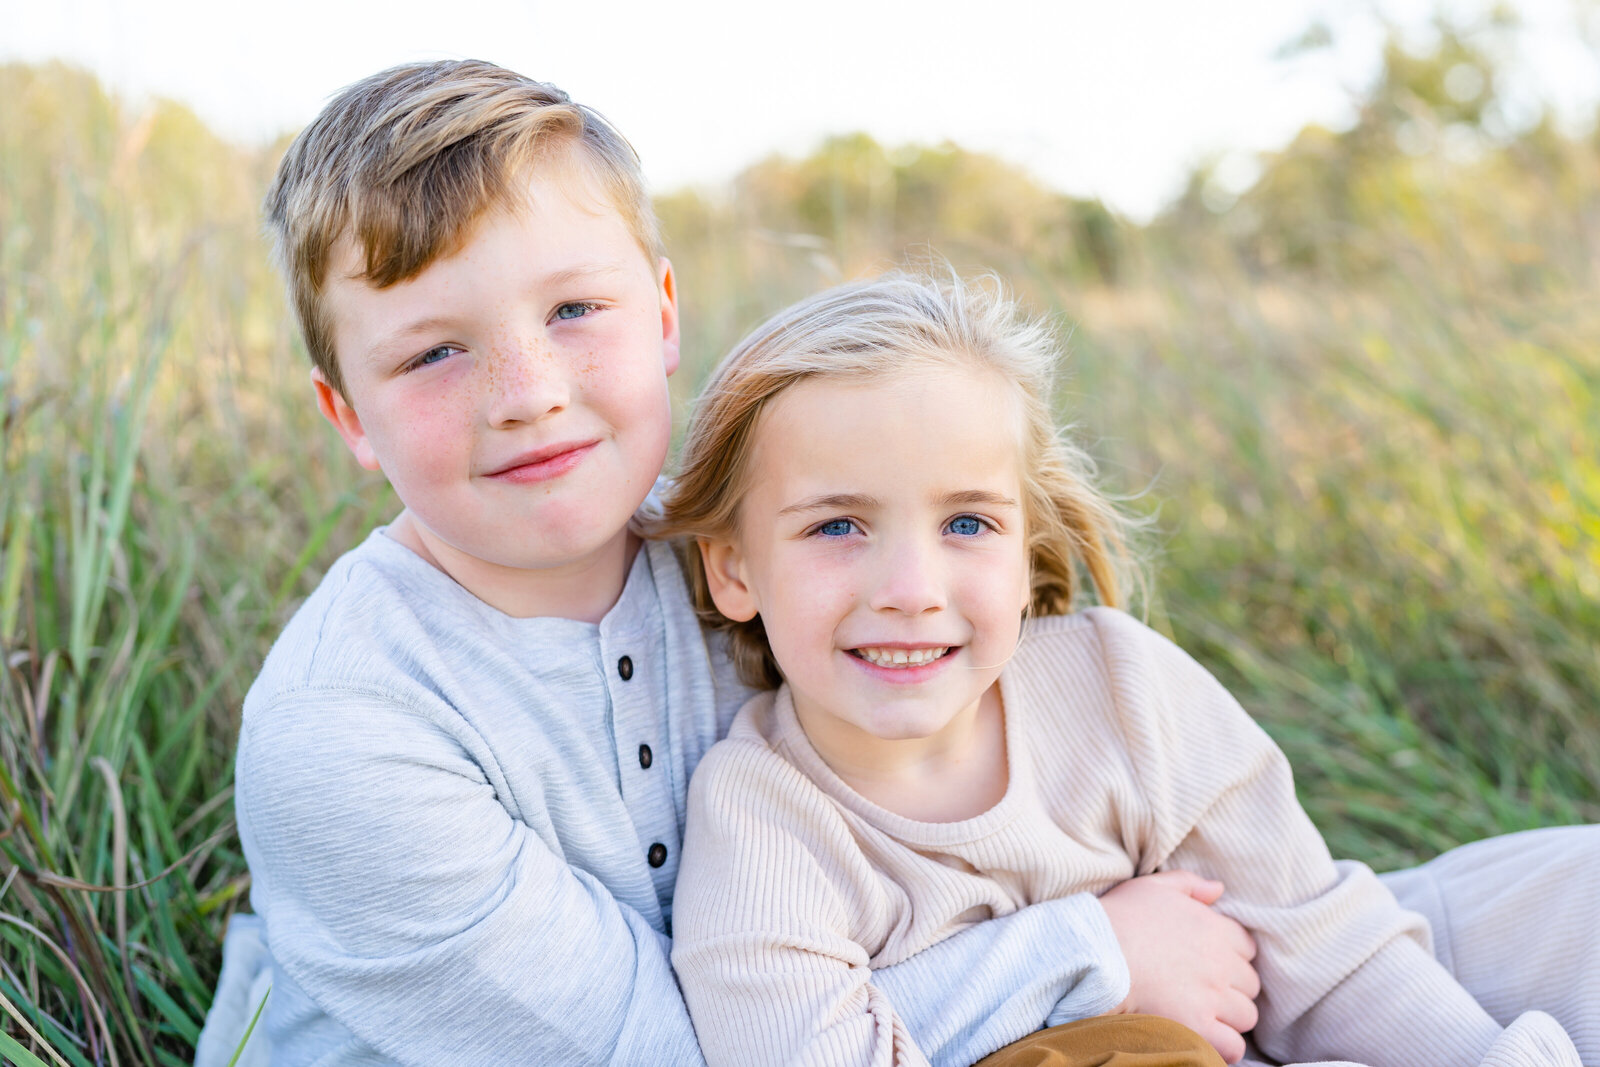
column 876, row 329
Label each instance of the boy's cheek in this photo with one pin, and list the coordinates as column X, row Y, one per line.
column 421, row 439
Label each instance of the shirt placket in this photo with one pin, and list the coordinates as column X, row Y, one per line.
column 639, row 736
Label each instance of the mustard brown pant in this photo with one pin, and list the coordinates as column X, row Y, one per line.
column 1109, row 1041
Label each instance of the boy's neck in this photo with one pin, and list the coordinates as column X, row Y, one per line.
column 584, row 590
column 958, row 774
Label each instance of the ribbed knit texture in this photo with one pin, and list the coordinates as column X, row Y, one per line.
column 1125, row 757
column 449, row 828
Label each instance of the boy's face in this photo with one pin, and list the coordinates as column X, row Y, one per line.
column 515, row 392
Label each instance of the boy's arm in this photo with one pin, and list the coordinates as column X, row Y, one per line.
column 999, row 980
column 409, row 904
column 769, row 912
column 1345, row 972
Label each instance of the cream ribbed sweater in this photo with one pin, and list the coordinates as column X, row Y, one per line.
column 1126, row 757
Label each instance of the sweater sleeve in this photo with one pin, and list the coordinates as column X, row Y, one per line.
column 772, row 906
column 1346, row 973
column 411, row 906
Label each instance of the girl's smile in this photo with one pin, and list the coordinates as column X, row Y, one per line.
column 900, row 658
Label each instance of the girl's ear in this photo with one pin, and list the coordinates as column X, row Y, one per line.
column 725, row 575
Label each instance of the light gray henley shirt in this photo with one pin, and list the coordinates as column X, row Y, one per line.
column 463, row 833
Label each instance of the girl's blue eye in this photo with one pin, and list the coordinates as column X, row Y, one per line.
column 836, row 528
column 965, row 525
column 573, row 311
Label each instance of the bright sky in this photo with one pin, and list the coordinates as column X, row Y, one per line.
column 1117, row 100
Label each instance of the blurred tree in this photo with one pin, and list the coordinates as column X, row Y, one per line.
column 1340, row 201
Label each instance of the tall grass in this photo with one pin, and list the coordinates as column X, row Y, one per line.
column 155, row 525
column 1374, row 479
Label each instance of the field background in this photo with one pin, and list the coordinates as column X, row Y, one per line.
column 1357, row 402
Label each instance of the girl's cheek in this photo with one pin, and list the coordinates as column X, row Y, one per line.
column 824, row 566
column 834, row 587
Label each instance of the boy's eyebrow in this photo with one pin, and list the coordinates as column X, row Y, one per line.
column 582, row 272
column 832, row 502
column 394, row 338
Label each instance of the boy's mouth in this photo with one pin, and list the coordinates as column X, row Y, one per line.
column 543, row 463
column 899, row 657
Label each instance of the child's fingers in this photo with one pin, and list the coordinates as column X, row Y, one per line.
column 1205, row 890
column 1243, row 978
column 1223, row 1038
column 1241, row 942
column 1230, row 934
column 1238, row 1012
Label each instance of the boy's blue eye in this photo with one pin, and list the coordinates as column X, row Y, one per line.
column 433, row 355
column 574, row 310
column 965, row 525
column 836, row 528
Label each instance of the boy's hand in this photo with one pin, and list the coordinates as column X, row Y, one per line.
column 1187, row 962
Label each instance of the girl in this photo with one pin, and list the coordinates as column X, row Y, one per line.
column 891, row 531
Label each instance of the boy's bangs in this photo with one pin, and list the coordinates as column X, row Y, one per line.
column 412, row 215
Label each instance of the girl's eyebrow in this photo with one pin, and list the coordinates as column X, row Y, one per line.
column 832, row 502
column 976, row 496
column 861, row 502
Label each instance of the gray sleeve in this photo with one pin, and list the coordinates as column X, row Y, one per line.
column 403, row 897
column 997, row 981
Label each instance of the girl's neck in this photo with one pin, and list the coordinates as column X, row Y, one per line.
column 957, row 774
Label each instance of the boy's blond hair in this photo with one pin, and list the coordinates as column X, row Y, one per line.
column 873, row 330
column 406, row 161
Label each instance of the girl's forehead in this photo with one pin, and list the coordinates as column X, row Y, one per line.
column 910, row 377
column 901, row 399
column 920, row 409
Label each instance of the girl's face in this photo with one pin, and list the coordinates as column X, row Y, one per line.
column 881, row 541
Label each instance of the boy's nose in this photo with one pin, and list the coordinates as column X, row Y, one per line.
column 524, row 381
column 909, row 579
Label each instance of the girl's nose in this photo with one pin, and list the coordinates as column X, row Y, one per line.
column 909, row 579
column 524, row 381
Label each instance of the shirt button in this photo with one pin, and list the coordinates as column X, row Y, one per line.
column 645, row 757
column 625, row 668
column 657, row 854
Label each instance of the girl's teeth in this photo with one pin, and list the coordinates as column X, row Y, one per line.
column 900, row 657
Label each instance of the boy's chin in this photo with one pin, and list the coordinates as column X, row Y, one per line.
column 452, row 550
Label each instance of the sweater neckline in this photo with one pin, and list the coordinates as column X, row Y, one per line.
column 915, row 832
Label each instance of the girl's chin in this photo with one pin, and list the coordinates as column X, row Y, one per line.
column 913, row 726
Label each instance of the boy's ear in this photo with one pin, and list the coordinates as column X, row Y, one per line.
column 338, row 411
column 725, row 575
column 669, row 314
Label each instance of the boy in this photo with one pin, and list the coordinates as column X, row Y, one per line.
column 462, row 769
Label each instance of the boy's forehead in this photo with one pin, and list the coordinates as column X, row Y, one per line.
column 565, row 179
